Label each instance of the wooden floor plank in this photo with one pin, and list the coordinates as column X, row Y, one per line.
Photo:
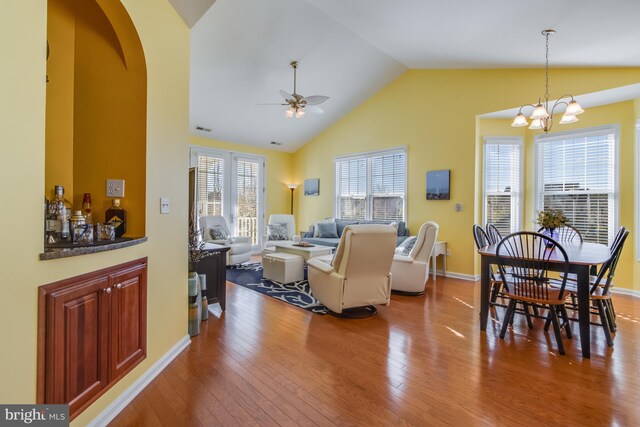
column 420, row 361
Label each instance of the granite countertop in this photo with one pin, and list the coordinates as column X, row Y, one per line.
column 65, row 250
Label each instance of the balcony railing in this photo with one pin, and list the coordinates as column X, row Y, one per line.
column 247, row 226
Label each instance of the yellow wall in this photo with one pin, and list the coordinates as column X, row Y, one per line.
column 621, row 114
column 59, row 100
column 433, row 113
column 165, row 39
column 278, row 172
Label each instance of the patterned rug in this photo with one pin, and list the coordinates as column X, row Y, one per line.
column 296, row 293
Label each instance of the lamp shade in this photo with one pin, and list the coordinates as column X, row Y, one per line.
column 519, row 121
column 289, row 113
column 573, row 109
column 539, row 112
column 536, row 124
column 568, row 118
column 292, row 186
column 300, row 114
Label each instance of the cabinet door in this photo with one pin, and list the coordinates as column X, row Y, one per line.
column 128, row 339
column 77, row 342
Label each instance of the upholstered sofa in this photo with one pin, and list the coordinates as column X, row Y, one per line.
column 317, row 233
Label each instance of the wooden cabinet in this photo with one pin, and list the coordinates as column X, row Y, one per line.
column 214, row 267
column 92, row 331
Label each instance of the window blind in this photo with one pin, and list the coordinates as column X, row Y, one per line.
column 247, row 179
column 210, row 186
column 502, row 177
column 371, row 186
column 577, row 174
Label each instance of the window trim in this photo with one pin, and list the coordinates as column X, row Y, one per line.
column 581, row 133
column 504, row 140
column 637, row 189
column 368, row 154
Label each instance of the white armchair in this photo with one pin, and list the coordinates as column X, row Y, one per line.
column 410, row 272
column 240, row 246
column 359, row 275
column 286, row 219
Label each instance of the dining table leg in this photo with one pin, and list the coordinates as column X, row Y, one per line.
column 485, row 282
column 584, row 316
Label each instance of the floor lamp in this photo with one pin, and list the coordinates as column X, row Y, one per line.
column 292, row 187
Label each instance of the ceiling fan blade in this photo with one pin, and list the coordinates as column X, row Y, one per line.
column 315, row 99
column 313, row 109
column 272, row 103
column 287, row 96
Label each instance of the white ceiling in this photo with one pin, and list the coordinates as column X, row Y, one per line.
column 350, row 49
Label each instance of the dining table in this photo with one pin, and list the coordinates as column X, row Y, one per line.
column 581, row 257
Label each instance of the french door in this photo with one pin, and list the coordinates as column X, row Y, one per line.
column 231, row 185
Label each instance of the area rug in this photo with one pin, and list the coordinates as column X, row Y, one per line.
column 297, row 293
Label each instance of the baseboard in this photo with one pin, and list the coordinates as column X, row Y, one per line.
column 130, row 393
column 461, row 276
column 622, row 291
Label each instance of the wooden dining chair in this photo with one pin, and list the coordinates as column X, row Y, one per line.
column 482, row 239
column 566, row 233
column 529, row 282
column 600, row 290
column 494, row 234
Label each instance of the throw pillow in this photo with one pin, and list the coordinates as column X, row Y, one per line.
column 277, row 232
column 328, row 230
column 316, row 233
column 406, row 246
column 218, row 233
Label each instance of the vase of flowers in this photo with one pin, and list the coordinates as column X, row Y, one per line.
column 551, row 220
column 196, row 304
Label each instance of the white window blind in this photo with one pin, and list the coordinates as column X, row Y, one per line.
column 209, row 199
column 502, row 183
column 248, row 176
column 371, row 186
column 576, row 173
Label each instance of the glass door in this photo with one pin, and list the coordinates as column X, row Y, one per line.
column 248, row 197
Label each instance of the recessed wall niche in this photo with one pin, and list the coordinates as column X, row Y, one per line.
column 96, row 106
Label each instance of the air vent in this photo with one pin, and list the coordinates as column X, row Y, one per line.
column 203, row 129
column 275, row 143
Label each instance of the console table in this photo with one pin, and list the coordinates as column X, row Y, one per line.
column 439, row 248
column 215, row 267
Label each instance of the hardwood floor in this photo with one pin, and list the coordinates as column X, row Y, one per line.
column 420, row 361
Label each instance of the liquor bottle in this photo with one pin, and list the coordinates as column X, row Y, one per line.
column 118, row 217
column 58, row 215
column 86, row 208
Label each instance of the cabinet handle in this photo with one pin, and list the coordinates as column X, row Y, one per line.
column 119, row 285
column 107, row 290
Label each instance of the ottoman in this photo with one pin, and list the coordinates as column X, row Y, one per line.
column 283, row 268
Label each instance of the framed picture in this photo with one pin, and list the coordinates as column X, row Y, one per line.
column 438, row 185
column 312, row 187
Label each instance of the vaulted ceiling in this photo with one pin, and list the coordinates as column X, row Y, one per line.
column 350, row 49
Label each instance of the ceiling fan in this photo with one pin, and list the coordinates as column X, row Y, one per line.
column 300, row 105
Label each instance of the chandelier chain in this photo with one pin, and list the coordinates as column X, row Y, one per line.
column 546, row 93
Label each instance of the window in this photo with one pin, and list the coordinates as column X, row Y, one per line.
column 372, row 185
column 231, row 185
column 502, row 191
column 575, row 172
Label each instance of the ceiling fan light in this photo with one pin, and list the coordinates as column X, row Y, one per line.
column 568, row 118
column 536, row 124
column 573, row 109
column 300, row 114
column 519, row 121
column 539, row 112
column 288, row 113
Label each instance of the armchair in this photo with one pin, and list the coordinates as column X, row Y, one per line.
column 285, row 219
column 359, row 275
column 214, row 229
column 411, row 272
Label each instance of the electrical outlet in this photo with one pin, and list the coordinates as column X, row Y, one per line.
column 115, row 188
column 448, row 252
column 164, row 205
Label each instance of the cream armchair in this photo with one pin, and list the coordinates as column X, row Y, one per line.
column 359, row 275
column 410, row 272
column 240, row 246
column 288, row 220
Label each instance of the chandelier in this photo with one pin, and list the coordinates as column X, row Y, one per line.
column 542, row 117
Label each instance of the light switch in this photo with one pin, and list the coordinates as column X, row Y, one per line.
column 164, row 205
column 459, row 207
column 115, row 188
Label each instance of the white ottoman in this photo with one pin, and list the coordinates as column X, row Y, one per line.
column 283, row 268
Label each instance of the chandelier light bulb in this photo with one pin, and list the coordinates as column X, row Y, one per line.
column 573, row 109
column 539, row 112
column 300, row 114
column 519, row 121
column 288, row 113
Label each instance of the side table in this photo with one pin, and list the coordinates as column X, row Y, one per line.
column 215, row 267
